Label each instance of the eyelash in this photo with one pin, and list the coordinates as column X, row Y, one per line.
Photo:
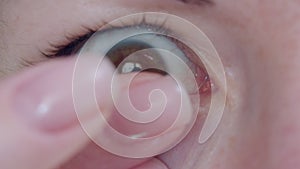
column 75, row 42
column 66, row 49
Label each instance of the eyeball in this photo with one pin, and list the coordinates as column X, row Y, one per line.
column 181, row 54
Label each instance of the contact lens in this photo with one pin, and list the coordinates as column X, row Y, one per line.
column 180, row 55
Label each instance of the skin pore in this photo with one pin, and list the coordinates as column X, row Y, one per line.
column 258, row 42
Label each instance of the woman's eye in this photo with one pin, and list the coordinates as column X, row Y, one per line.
column 117, row 43
column 141, row 58
column 128, row 49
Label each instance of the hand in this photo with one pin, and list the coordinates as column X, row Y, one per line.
column 38, row 124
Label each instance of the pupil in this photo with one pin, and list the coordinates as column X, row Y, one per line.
column 136, row 62
column 123, row 49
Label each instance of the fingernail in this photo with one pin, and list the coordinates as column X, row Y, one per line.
column 44, row 99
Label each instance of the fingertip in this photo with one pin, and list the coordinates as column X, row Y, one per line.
column 39, row 125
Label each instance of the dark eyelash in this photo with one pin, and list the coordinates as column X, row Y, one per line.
column 76, row 42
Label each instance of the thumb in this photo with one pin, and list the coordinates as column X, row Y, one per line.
column 38, row 124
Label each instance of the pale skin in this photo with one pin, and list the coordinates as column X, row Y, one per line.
column 258, row 42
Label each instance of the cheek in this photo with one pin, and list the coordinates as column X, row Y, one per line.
column 280, row 106
column 266, row 132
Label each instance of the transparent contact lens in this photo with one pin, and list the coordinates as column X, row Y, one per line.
column 186, row 62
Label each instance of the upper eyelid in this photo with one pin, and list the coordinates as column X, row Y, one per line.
column 74, row 40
